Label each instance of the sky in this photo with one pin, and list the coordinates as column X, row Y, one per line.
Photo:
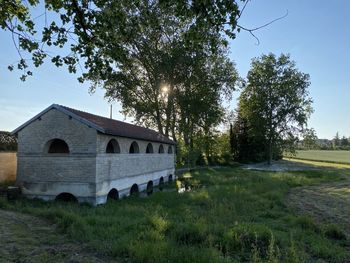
column 315, row 33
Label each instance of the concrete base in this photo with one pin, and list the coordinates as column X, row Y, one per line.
column 92, row 193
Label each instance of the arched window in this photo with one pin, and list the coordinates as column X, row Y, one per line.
column 149, row 189
column 149, row 148
column 170, row 150
column 112, row 147
column 134, row 190
column 161, row 183
column 113, row 194
column 161, row 149
column 66, row 197
column 134, row 148
column 57, row 146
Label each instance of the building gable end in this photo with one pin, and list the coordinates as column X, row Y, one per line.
column 63, row 110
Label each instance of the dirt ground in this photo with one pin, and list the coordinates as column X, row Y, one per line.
column 326, row 203
column 24, row 238
column 281, row 166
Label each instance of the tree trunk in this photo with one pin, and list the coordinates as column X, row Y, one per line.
column 168, row 111
column 269, row 161
column 159, row 121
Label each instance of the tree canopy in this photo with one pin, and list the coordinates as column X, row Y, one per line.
column 274, row 104
column 165, row 61
column 7, row 142
column 99, row 33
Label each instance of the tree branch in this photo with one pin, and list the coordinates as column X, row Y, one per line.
column 252, row 30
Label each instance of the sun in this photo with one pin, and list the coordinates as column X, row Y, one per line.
column 165, row 89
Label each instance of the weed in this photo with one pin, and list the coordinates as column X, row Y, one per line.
column 230, row 214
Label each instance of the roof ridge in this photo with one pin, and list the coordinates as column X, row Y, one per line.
column 104, row 125
column 110, row 119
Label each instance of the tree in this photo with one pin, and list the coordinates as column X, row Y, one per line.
column 275, row 101
column 336, row 140
column 88, row 28
column 249, row 143
column 233, row 140
column 310, row 139
column 7, row 142
column 165, row 61
column 344, row 141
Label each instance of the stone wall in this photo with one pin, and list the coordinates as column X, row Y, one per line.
column 36, row 165
column 122, row 170
column 87, row 171
column 123, row 164
column 55, row 124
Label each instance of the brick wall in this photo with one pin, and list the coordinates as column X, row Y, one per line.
column 114, row 166
column 35, row 164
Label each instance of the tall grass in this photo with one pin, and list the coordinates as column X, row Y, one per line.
column 231, row 215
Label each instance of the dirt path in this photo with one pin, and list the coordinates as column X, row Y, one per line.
column 327, row 203
column 24, row 238
column 281, row 166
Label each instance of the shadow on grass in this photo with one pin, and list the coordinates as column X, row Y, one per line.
column 230, row 215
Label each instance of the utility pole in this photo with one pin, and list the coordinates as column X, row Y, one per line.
column 111, row 110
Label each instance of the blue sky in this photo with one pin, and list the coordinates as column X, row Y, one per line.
column 315, row 33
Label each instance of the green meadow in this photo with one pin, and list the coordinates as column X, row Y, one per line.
column 228, row 215
column 336, row 156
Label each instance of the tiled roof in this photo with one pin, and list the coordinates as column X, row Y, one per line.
column 119, row 128
column 105, row 125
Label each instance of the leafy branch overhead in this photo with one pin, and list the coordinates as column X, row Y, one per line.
column 85, row 26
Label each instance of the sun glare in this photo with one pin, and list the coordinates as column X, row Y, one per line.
column 165, row 89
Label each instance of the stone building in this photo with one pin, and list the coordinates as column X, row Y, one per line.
column 67, row 153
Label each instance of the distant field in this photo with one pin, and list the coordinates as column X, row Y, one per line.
column 324, row 156
column 8, row 166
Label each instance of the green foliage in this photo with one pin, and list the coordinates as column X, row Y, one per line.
column 274, row 107
column 231, row 215
column 7, row 142
column 207, row 150
column 97, row 32
column 310, row 139
column 249, row 146
column 165, row 61
column 336, row 140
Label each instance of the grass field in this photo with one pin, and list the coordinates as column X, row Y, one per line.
column 324, row 156
column 231, row 215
